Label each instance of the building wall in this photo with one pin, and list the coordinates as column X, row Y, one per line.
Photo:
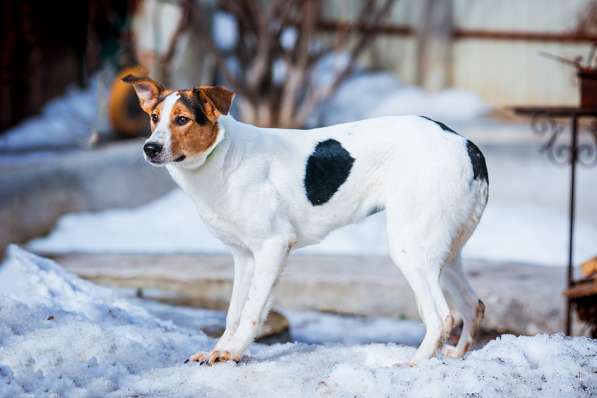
column 503, row 72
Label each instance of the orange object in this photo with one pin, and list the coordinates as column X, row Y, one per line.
column 589, row 267
column 125, row 115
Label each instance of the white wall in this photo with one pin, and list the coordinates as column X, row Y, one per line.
column 502, row 72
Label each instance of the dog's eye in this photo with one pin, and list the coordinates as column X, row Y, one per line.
column 155, row 118
column 181, row 120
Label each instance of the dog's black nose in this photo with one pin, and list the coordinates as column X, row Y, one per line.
column 152, row 148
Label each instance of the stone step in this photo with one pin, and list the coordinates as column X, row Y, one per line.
column 36, row 191
column 520, row 298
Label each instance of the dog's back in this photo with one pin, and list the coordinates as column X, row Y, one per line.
column 337, row 175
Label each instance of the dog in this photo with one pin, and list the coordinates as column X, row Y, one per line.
column 265, row 192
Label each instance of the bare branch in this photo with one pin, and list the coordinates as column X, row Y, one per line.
column 259, row 46
column 297, row 72
column 317, row 96
column 219, row 57
column 183, row 24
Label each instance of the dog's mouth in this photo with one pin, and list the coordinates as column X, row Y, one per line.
column 160, row 161
column 155, row 161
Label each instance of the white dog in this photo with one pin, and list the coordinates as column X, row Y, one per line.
column 264, row 192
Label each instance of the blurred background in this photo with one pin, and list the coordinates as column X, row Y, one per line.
column 74, row 186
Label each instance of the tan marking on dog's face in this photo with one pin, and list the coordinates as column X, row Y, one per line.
column 189, row 136
column 188, row 124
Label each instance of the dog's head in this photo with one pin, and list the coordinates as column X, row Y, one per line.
column 184, row 123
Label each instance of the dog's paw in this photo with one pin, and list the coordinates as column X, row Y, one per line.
column 197, row 357
column 213, row 357
column 221, row 356
column 452, row 352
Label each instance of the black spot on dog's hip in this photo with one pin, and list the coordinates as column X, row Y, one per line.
column 477, row 162
column 328, row 168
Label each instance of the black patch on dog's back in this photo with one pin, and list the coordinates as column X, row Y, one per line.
column 194, row 105
column 477, row 162
column 327, row 169
column 440, row 124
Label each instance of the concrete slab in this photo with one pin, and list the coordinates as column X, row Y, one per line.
column 36, row 191
column 520, row 298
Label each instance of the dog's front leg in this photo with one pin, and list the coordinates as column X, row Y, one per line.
column 269, row 261
column 243, row 272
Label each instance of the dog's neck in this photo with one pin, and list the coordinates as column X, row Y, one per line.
column 206, row 177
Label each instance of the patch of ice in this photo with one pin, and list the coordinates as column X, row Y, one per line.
column 112, row 347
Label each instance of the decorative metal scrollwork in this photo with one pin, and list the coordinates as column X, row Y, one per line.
column 587, row 148
column 546, row 125
column 558, row 149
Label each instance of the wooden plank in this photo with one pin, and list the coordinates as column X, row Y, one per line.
column 582, row 290
column 520, row 298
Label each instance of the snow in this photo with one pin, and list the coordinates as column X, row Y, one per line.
column 319, row 328
column 68, row 120
column 367, row 95
column 61, row 336
column 224, row 30
column 507, row 232
column 309, row 327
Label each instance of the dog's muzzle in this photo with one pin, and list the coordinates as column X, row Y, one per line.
column 152, row 149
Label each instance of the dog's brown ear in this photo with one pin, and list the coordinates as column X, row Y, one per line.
column 216, row 100
column 148, row 91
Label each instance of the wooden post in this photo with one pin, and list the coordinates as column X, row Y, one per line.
column 434, row 44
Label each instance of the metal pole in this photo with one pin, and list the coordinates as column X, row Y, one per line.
column 573, row 155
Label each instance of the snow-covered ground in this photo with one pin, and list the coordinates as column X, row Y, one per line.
column 367, row 95
column 309, row 327
column 67, row 120
column 518, row 232
column 61, row 336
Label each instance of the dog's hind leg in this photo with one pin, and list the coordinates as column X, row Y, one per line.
column 420, row 261
column 466, row 301
column 422, row 287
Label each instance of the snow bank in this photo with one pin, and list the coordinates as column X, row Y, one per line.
column 382, row 94
column 68, row 120
column 506, row 233
column 61, row 336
